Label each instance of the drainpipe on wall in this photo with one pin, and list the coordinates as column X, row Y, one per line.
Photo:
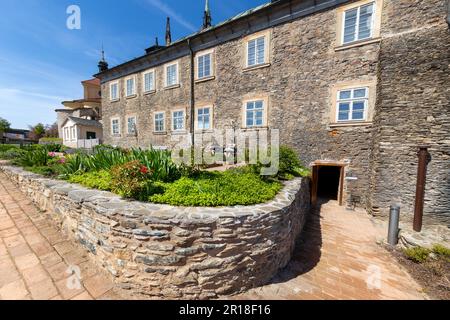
column 192, row 106
column 448, row 12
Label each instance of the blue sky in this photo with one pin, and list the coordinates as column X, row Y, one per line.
column 42, row 62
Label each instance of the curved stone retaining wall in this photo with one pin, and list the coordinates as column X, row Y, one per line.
column 175, row 252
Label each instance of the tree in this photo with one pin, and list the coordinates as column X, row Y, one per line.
column 51, row 131
column 4, row 125
column 37, row 132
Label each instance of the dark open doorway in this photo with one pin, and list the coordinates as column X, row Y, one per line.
column 328, row 182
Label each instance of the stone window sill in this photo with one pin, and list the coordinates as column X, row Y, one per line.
column 131, row 97
column 205, row 79
column 357, row 44
column 200, row 131
column 260, row 128
column 259, row 66
column 115, row 100
column 179, row 132
column 350, row 124
column 116, row 135
column 175, row 86
column 160, row 133
column 150, row 92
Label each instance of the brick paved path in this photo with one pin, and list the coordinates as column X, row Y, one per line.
column 336, row 256
column 35, row 257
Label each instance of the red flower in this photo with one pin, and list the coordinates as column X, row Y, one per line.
column 144, row 170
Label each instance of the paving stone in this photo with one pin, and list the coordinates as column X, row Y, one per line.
column 44, row 290
column 14, row 291
column 98, row 285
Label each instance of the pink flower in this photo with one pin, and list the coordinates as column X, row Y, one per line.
column 52, row 154
column 62, row 160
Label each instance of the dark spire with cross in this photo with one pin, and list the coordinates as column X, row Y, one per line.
column 103, row 65
column 207, row 19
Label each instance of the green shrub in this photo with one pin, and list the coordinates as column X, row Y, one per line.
column 417, row 254
column 442, row 251
column 96, row 180
column 7, row 147
column 11, row 154
column 211, row 189
column 58, row 141
column 36, row 158
column 130, row 180
column 42, row 170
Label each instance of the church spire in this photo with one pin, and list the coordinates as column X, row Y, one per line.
column 207, row 19
column 168, row 33
column 103, row 65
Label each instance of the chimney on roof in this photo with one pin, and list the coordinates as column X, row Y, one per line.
column 207, row 19
column 168, row 33
column 103, row 65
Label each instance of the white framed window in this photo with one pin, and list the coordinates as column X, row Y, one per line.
column 149, row 81
column 114, row 91
column 204, row 66
column 204, row 118
column 352, row 104
column 171, row 71
column 130, row 84
column 254, row 113
column 131, row 125
column 159, row 118
column 178, row 120
column 358, row 23
column 115, row 127
column 256, row 51
column 66, row 134
column 73, row 131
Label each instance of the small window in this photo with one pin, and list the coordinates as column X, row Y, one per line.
column 149, row 81
column 115, row 127
column 172, row 75
column 204, row 118
column 131, row 87
column 66, row 134
column 178, row 120
column 204, row 66
column 358, row 23
column 256, row 51
column 74, row 134
column 131, row 125
column 254, row 113
column 352, row 104
column 114, row 91
column 159, row 122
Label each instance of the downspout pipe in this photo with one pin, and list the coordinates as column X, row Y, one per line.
column 192, row 103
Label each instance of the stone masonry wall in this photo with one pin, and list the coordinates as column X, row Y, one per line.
column 413, row 109
column 174, row 252
column 409, row 63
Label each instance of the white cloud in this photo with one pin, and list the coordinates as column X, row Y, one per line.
column 172, row 14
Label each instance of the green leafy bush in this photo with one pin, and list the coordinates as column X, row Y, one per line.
column 7, row 147
column 96, row 180
column 417, row 254
column 211, row 189
column 130, row 180
column 36, row 158
column 11, row 154
column 42, row 170
column 442, row 251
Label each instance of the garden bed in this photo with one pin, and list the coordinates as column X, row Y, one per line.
column 175, row 252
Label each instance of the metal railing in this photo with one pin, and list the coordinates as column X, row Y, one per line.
column 87, row 143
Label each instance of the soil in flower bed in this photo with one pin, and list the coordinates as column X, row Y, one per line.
column 433, row 274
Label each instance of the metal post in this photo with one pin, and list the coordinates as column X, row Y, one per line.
column 394, row 219
column 420, row 189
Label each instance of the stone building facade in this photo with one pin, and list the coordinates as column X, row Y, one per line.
column 306, row 64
